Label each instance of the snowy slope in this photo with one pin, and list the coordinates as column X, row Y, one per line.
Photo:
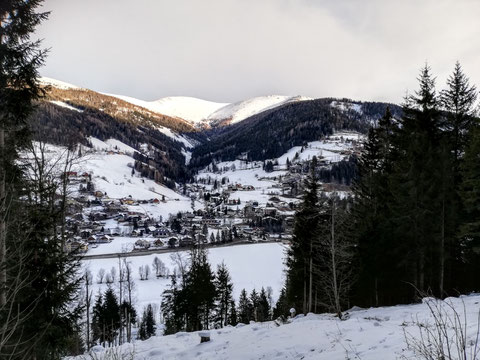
column 184, row 107
column 373, row 334
column 57, row 83
column 243, row 109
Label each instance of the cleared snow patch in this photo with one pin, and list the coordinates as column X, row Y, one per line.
column 65, row 105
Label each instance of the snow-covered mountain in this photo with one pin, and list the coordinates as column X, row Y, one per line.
column 241, row 110
column 187, row 108
column 198, row 111
column 57, row 83
column 209, row 113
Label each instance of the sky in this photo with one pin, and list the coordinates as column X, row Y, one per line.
column 231, row 50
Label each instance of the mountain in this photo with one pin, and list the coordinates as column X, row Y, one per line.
column 187, row 108
column 172, row 136
column 273, row 132
column 233, row 113
column 69, row 115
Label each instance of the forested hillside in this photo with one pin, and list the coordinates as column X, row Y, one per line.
column 271, row 133
column 70, row 116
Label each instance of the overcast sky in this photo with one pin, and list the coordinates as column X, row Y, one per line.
column 229, row 50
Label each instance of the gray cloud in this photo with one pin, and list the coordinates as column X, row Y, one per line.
column 228, row 50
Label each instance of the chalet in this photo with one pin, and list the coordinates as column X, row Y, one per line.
column 161, row 231
column 201, row 238
column 186, row 241
column 115, row 231
column 75, row 245
column 159, row 243
column 212, row 222
column 104, row 239
column 248, row 211
column 99, row 194
column 92, row 239
column 269, row 211
column 142, row 244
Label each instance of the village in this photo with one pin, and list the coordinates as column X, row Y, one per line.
column 231, row 202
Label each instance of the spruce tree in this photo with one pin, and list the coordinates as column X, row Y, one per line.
column 224, row 289
column 110, row 316
column 416, row 207
column 300, row 257
column 147, row 325
column 244, row 308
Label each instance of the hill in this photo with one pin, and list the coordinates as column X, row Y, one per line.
column 273, row 132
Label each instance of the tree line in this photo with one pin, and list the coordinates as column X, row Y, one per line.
column 412, row 223
column 199, row 298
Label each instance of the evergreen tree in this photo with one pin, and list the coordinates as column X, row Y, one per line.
column 300, row 256
column 254, row 303
column 458, row 100
column 97, row 320
column 110, row 316
column 244, row 308
column 199, row 292
column 224, row 289
column 263, row 311
column 147, row 325
column 281, row 307
column 371, row 211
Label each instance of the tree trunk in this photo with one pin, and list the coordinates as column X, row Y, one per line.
column 310, row 278
column 3, row 213
column 3, row 210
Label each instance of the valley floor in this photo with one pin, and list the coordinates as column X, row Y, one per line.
column 376, row 333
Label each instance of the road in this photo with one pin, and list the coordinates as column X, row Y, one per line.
column 168, row 250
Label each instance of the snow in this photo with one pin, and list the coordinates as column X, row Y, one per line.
column 57, row 83
column 345, row 106
column 112, row 175
column 189, row 143
column 65, row 105
column 111, row 145
column 265, row 267
column 187, row 108
column 244, row 109
column 374, row 334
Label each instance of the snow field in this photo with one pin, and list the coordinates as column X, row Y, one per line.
column 373, row 334
column 250, row 266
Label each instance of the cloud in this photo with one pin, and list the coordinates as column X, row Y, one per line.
column 228, row 50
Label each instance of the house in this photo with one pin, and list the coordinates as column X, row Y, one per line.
column 142, row 244
column 159, row 243
column 186, row 241
column 161, row 231
column 104, row 239
column 201, row 238
column 92, row 239
column 269, row 211
column 76, row 245
column 99, row 194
